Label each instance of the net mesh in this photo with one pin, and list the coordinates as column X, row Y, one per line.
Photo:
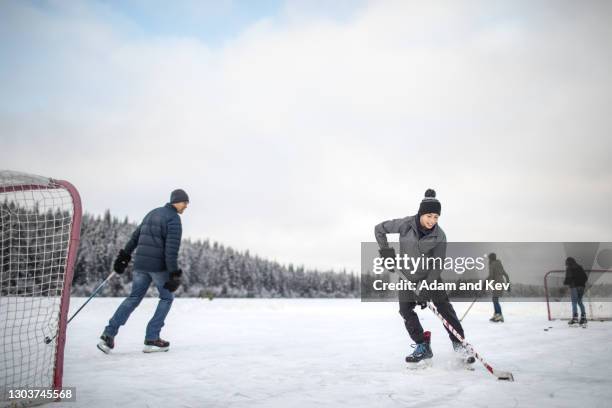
column 36, row 216
column 597, row 297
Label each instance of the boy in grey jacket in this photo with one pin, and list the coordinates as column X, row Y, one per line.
column 421, row 235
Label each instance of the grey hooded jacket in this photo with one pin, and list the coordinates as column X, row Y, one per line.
column 497, row 274
column 431, row 245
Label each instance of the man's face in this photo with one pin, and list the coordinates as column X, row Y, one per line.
column 180, row 207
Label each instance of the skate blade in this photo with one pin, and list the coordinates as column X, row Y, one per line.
column 420, row 365
column 154, row 349
column 103, row 347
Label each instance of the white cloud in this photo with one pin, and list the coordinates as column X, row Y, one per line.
column 298, row 135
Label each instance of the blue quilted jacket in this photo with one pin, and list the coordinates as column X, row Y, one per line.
column 157, row 241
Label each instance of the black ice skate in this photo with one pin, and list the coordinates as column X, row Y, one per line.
column 422, row 354
column 106, row 344
column 574, row 322
column 465, row 357
column 583, row 322
column 154, row 346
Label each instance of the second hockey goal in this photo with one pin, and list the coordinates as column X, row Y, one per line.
column 597, row 297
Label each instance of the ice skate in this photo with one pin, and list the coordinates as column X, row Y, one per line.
column 154, row 346
column 422, row 354
column 106, row 344
column 464, row 357
column 497, row 318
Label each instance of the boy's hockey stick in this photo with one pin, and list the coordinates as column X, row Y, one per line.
column 501, row 375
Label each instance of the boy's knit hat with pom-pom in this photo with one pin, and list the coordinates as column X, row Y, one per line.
column 430, row 203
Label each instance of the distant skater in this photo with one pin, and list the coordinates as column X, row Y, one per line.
column 497, row 274
column 576, row 279
column 156, row 243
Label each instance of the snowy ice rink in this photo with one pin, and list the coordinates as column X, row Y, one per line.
column 328, row 353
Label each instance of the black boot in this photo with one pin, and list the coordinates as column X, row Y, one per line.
column 422, row 351
column 106, row 344
column 152, row 346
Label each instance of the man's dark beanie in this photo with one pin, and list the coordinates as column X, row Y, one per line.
column 178, row 196
column 430, row 204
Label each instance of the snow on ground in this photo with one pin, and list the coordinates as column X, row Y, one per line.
column 328, row 353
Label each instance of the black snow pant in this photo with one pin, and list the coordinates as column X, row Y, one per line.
column 413, row 325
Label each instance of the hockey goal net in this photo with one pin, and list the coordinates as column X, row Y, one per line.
column 597, row 297
column 39, row 234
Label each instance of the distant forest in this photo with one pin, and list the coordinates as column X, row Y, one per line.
column 210, row 269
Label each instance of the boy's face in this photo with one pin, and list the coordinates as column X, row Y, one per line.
column 429, row 220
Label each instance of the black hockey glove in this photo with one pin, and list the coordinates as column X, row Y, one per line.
column 423, row 298
column 387, row 253
column 121, row 262
column 175, row 281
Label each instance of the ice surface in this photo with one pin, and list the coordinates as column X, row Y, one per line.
column 327, row 353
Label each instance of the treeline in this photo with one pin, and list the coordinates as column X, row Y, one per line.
column 33, row 250
column 210, row 269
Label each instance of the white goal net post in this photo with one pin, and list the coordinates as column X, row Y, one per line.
column 597, row 297
column 40, row 221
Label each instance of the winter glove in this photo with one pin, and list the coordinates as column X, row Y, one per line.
column 121, row 262
column 175, row 281
column 424, row 297
column 387, row 253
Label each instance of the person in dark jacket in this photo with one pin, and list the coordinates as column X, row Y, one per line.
column 497, row 274
column 155, row 245
column 421, row 234
column 576, row 279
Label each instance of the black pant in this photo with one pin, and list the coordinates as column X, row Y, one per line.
column 413, row 325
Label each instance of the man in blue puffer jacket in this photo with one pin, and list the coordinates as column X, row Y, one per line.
column 156, row 242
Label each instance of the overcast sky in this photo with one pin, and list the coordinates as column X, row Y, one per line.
column 295, row 128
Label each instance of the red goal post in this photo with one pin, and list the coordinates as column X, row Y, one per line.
column 597, row 297
column 40, row 221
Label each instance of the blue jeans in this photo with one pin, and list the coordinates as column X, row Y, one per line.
column 577, row 294
column 140, row 284
column 496, row 305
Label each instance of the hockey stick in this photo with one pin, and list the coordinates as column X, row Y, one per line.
column 501, row 375
column 468, row 309
column 95, row 292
